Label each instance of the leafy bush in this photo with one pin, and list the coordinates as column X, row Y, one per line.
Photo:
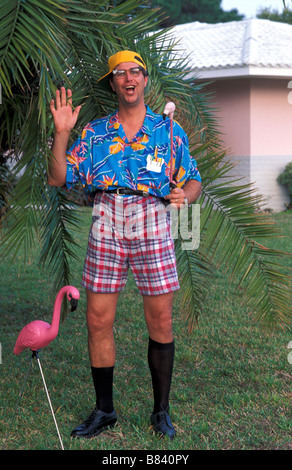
column 286, row 179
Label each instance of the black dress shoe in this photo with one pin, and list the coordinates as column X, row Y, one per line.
column 162, row 424
column 96, row 422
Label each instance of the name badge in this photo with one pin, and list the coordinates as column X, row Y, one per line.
column 154, row 163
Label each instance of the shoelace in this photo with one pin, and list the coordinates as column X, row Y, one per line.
column 91, row 417
column 165, row 419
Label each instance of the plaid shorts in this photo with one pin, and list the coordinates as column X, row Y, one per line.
column 130, row 232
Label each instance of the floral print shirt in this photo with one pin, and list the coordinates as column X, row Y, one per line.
column 102, row 158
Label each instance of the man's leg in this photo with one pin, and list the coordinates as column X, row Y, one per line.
column 101, row 309
column 158, row 315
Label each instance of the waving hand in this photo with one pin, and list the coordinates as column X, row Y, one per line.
column 63, row 114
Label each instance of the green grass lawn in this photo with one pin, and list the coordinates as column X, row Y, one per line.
column 231, row 385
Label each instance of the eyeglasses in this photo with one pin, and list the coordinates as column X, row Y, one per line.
column 120, row 73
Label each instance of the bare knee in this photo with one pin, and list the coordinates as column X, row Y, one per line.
column 100, row 313
column 160, row 323
column 158, row 315
column 98, row 322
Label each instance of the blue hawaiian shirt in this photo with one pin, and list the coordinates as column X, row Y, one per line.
column 102, row 158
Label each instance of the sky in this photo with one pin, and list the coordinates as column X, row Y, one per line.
column 249, row 7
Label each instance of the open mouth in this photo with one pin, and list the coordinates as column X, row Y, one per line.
column 130, row 89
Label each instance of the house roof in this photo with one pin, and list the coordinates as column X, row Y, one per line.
column 253, row 47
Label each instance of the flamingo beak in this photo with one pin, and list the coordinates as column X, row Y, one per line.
column 74, row 303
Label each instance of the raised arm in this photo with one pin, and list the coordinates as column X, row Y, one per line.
column 65, row 119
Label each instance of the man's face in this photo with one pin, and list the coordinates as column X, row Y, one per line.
column 129, row 88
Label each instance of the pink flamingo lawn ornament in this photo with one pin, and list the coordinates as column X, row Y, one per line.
column 38, row 334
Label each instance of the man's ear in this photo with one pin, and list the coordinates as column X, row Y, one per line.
column 112, row 85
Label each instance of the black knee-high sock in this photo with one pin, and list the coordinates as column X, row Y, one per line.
column 103, row 384
column 160, row 360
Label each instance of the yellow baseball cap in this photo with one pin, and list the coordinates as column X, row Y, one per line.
column 123, row 56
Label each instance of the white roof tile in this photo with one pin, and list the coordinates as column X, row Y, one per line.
column 249, row 44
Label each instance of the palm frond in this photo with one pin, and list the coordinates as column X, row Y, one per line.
column 29, row 30
column 60, row 225
column 195, row 275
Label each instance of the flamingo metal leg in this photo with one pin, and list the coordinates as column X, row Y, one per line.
column 48, row 396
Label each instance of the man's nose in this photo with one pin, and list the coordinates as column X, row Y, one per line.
column 128, row 74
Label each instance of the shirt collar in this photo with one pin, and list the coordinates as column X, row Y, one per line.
column 147, row 127
column 149, row 121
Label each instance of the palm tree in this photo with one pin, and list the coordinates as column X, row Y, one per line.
column 45, row 44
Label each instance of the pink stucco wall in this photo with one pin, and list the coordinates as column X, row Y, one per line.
column 270, row 117
column 232, row 100
column 255, row 115
column 255, row 118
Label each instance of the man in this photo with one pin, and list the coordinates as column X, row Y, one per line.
column 125, row 156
